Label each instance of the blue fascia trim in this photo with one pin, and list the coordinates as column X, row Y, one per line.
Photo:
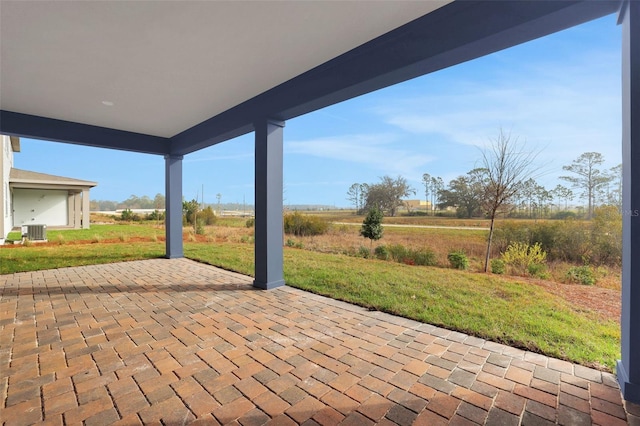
column 36, row 127
column 458, row 32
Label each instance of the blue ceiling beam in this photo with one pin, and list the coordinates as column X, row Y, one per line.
column 458, row 32
column 35, row 127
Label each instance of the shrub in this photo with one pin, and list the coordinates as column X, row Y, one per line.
column 562, row 240
column 381, row 253
column 397, row 252
column 129, row 216
column 498, row 266
column 364, row 252
column 424, row 257
column 581, row 275
column 519, row 256
column 250, row 223
column 564, row 215
column 207, row 216
column 607, row 235
column 290, row 243
column 458, row 260
column 155, row 215
column 200, row 225
column 538, row 270
column 246, row 239
column 401, row 254
column 303, row 225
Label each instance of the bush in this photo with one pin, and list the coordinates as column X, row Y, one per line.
column 401, row 254
column 381, row 253
column 246, row 239
column 581, row 275
column 207, row 216
column 128, row 216
column 607, row 235
column 250, row 223
column 498, row 266
column 424, row 257
column 564, row 215
column 458, row 260
column 520, row 256
column 200, row 226
column 364, row 252
column 538, row 270
column 155, row 215
column 397, row 252
column 303, row 225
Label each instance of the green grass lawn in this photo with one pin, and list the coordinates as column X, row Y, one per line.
column 495, row 308
column 34, row 258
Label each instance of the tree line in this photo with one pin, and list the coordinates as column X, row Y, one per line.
column 503, row 182
column 587, row 182
column 133, row 202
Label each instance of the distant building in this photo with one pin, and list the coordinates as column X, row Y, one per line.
column 30, row 198
column 417, row 205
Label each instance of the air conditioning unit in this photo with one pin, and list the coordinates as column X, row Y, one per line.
column 36, row 232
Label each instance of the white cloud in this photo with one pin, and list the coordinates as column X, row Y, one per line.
column 564, row 110
column 383, row 152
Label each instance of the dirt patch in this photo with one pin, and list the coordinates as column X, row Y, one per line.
column 605, row 302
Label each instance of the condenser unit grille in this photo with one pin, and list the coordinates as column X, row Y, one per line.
column 37, row 232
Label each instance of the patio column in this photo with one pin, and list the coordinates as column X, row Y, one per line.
column 268, row 200
column 173, row 206
column 77, row 211
column 85, row 209
column 629, row 366
column 71, row 209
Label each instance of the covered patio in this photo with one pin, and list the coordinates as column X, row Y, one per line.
column 178, row 342
column 171, row 78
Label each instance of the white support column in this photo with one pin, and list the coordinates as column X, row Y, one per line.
column 71, row 210
column 77, row 211
column 173, row 206
column 86, row 208
column 268, row 200
column 629, row 366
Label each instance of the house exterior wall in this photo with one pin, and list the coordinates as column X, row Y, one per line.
column 6, row 162
column 40, row 206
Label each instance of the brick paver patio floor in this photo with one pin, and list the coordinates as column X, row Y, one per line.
column 177, row 342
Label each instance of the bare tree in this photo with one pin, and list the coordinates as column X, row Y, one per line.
column 506, row 164
column 388, row 194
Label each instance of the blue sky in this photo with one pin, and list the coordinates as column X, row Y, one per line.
column 560, row 95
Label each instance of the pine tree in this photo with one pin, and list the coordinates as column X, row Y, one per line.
column 372, row 225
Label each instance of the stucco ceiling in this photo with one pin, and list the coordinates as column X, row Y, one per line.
column 159, row 68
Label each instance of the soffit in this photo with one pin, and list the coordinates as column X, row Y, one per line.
column 167, row 66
